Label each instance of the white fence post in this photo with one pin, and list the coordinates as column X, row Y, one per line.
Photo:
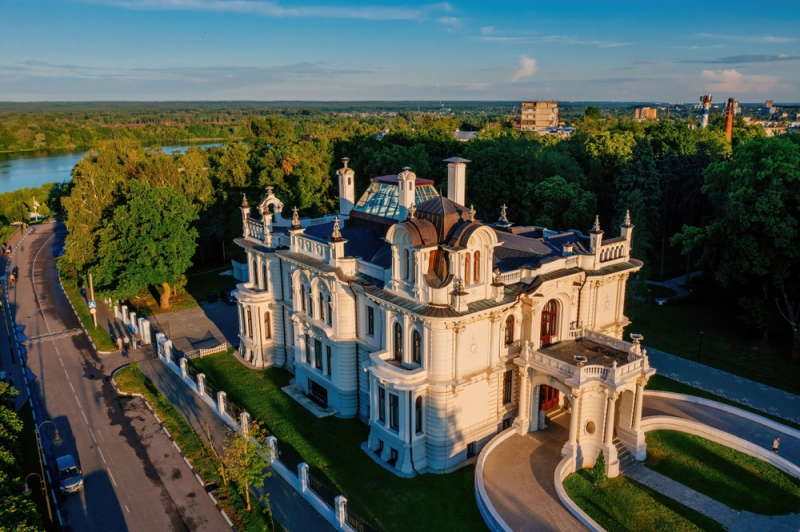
column 272, row 443
column 160, row 339
column 302, row 474
column 132, row 322
column 183, row 362
column 125, row 317
column 117, row 313
column 341, row 510
column 144, row 330
column 221, row 403
column 201, row 383
column 244, row 421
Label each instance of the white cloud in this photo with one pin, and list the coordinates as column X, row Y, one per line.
column 769, row 39
column 526, row 70
column 452, row 23
column 488, row 30
column 733, row 81
column 274, row 9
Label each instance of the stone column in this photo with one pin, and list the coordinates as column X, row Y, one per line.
column 637, row 410
column 457, row 328
column 522, row 426
column 494, row 339
column 221, row 403
column 341, row 510
column 610, row 419
column 201, row 383
column 573, row 420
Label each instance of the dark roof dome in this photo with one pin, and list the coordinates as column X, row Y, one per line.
column 443, row 213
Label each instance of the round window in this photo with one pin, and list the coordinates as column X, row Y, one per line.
column 590, row 427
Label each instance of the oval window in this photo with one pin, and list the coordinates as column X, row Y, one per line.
column 590, row 427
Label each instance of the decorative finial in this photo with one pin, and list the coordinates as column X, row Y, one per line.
column 244, row 201
column 497, row 279
column 336, row 235
column 503, row 217
column 295, row 219
column 345, row 160
column 471, row 213
column 459, row 285
column 628, row 218
column 406, row 168
column 596, row 228
column 412, row 212
column 269, row 191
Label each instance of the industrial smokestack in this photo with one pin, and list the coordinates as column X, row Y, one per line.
column 706, row 99
column 729, row 118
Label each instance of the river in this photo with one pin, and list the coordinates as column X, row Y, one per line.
column 31, row 169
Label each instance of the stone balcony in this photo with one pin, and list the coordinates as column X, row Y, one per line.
column 595, row 357
column 384, row 367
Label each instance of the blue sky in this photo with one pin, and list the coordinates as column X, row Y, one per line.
column 373, row 50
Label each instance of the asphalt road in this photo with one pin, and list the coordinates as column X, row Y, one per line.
column 123, row 490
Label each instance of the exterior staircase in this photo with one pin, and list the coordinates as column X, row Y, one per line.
column 626, row 459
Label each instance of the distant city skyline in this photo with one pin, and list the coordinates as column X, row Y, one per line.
column 371, row 50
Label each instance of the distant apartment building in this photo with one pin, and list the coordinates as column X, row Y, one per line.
column 537, row 116
column 646, row 113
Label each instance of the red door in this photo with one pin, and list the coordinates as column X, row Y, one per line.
column 549, row 315
column 548, row 397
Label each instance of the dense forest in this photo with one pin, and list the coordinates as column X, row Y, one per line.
column 694, row 197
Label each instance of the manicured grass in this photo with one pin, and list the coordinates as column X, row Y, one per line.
column 654, row 291
column 99, row 335
column 728, row 344
column 199, row 283
column 30, row 464
column 624, row 505
column 131, row 379
column 665, row 384
column 331, row 447
column 735, row 479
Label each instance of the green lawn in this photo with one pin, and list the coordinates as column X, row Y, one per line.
column 30, row 464
column 331, row 447
column 102, row 340
column 728, row 344
column 131, row 379
column 624, row 505
column 665, row 384
column 199, row 283
column 735, row 479
column 654, row 291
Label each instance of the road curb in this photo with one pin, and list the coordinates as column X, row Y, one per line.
column 180, row 451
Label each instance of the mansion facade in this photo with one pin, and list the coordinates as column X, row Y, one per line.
column 440, row 331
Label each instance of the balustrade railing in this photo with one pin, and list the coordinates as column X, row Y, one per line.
column 510, row 277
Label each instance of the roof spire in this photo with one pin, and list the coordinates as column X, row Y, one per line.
column 244, row 201
column 336, row 235
column 503, row 217
column 628, row 218
column 596, row 229
column 295, row 219
column 503, row 221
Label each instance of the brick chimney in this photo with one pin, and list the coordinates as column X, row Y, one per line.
column 456, row 179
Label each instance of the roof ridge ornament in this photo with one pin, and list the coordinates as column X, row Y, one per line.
column 412, row 212
column 471, row 213
column 336, row 235
column 627, row 218
column 295, row 218
column 244, row 201
column 503, row 221
column 596, row 228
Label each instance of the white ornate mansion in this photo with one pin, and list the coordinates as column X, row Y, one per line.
column 439, row 330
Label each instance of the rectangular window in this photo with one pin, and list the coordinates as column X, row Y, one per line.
column 382, row 404
column 394, row 412
column 318, row 354
column 508, row 377
column 249, row 323
column 329, row 359
column 419, row 415
column 370, row 320
column 308, row 350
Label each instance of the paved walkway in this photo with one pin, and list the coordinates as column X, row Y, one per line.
column 290, row 509
column 733, row 520
column 751, row 431
column 200, row 327
column 676, row 284
column 518, row 476
column 753, row 394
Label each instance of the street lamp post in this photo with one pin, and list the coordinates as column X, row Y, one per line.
column 56, row 441
column 700, row 348
column 27, row 492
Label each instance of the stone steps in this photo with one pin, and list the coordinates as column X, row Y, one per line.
column 626, row 459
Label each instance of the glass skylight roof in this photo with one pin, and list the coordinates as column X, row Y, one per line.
column 380, row 199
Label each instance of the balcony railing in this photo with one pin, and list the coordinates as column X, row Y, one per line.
column 510, row 277
column 254, row 229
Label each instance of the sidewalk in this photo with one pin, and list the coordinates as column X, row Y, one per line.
column 676, row 284
column 753, row 394
column 290, row 509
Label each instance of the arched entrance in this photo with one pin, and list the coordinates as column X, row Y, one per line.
column 549, row 319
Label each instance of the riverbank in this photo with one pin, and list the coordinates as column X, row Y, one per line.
column 73, row 147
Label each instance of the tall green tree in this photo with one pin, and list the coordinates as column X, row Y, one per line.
column 754, row 233
column 556, row 204
column 149, row 241
column 245, row 460
column 638, row 191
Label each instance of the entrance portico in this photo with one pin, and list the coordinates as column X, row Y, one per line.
column 599, row 381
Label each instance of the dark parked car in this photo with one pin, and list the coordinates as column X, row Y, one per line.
column 227, row 297
column 69, row 475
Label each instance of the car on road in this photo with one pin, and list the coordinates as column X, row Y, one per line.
column 69, row 475
column 227, row 297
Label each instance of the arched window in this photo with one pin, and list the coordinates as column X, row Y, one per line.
column 310, row 304
column 330, row 311
column 267, row 326
column 510, row 329
column 418, row 411
column 416, row 347
column 398, row 342
column 467, row 270
column 303, row 296
column 477, row 267
column 264, row 277
column 321, row 307
column 549, row 319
